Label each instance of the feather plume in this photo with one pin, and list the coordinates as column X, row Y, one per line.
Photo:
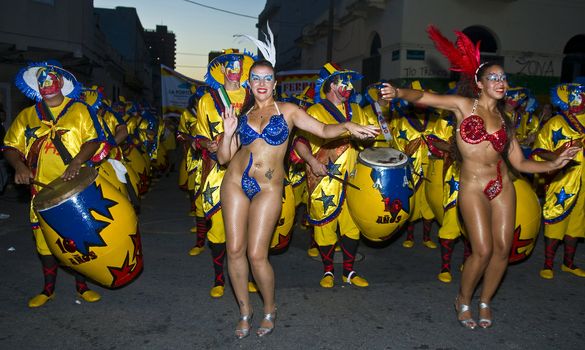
column 464, row 56
column 266, row 47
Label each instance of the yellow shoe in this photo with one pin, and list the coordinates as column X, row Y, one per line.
column 90, row 296
column 430, row 244
column 576, row 271
column 355, row 280
column 327, row 280
column 193, row 229
column 252, row 287
column 39, row 300
column 192, row 213
column 217, row 292
column 196, row 251
column 408, row 243
column 313, row 252
column 547, row 274
column 445, row 277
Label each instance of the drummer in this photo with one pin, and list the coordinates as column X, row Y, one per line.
column 51, row 139
column 410, row 131
column 328, row 162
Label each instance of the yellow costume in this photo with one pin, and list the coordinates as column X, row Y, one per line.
column 564, row 207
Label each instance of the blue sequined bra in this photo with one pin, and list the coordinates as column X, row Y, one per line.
column 274, row 133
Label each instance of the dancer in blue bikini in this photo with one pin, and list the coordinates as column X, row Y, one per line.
column 255, row 145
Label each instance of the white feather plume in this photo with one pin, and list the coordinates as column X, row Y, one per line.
column 266, row 47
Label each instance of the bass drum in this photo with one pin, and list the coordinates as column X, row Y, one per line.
column 528, row 219
column 91, row 227
column 381, row 206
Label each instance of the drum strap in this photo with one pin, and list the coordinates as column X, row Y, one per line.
column 330, row 151
column 382, row 121
column 56, row 139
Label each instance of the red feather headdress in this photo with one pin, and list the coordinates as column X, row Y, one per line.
column 463, row 55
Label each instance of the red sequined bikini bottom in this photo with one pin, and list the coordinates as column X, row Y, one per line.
column 494, row 187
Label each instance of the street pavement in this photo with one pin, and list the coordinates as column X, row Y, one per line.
column 168, row 306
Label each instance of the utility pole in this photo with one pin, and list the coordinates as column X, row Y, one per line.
column 330, row 32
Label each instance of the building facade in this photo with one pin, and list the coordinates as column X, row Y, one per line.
column 540, row 43
column 91, row 43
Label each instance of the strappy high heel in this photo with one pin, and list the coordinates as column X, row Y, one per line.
column 468, row 323
column 263, row 331
column 484, row 322
column 243, row 332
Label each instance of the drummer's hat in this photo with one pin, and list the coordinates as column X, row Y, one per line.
column 563, row 95
column 327, row 73
column 372, row 91
column 197, row 93
column 516, row 95
column 93, row 96
column 305, row 99
column 215, row 78
column 26, row 79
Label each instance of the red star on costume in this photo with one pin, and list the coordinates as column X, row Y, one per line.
column 517, row 244
column 283, row 242
column 143, row 183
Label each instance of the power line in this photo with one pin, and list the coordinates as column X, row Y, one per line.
column 220, row 10
column 192, row 54
column 187, row 66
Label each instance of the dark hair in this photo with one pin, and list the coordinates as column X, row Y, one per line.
column 467, row 87
column 250, row 103
column 331, row 80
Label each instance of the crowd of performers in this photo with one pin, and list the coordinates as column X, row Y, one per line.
column 70, row 127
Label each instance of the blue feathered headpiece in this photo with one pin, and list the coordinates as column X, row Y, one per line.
column 27, row 82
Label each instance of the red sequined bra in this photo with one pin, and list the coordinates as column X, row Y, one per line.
column 472, row 130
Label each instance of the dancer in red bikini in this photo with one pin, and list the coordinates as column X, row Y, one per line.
column 484, row 137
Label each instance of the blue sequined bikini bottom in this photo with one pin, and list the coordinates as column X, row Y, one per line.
column 249, row 184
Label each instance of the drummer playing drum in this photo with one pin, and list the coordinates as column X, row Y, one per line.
column 51, row 139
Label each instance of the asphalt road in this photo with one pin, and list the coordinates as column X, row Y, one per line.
column 168, row 306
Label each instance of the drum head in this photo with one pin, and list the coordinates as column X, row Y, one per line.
column 383, row 157
column 62, row 190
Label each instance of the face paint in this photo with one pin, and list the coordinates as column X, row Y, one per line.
column 344, row 86
column 233, row 71
column 494, row 77
column 576, row 102
column 49, row 82
column 256, row 78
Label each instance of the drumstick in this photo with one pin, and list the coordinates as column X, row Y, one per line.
column 343, row 181
column 38, row 183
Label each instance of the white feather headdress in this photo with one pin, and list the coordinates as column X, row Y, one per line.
column 267, row 48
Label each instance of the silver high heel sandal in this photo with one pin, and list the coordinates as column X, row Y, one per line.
column 468, row 323
column 242, row 333
column 263, row 331
column 484, row 322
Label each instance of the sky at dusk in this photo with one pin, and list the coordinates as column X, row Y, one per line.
column 198, row 30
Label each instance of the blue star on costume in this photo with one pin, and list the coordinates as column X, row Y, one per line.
column 212, row 127
column 333, row 168
column 402, row 135
column 563, row 196
column 73, row 219
column 208, row 193
column 327, row 200
column 31, row 132
column 453, row 185
column 557, row 135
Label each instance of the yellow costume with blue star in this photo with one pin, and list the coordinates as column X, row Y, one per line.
column 564, row 206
